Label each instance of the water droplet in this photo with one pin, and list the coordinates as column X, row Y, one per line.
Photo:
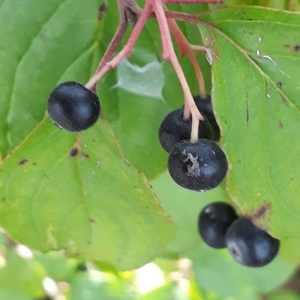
column 259, row 39
column 268, row 95
column 98, row 163
column 85, row 145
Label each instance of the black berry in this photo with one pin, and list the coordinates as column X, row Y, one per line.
column 197, row 166
column 213, row 222
column 205, row 107
column 174, row 129
column 73, row 107
column 250, row 245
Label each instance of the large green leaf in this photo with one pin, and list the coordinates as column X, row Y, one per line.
column 256, row 96
column 215, row 270
column 92, row 205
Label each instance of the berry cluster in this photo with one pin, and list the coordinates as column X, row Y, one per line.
column 220, row 227
column 73, row 107
column 200, row 165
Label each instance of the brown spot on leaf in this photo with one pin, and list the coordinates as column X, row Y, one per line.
column 23, row 162
column 73, row 152
column 279, row 84
column 92, row 220
column 34, row 164
column 280, row 125
column 102, row 11
column 286, row 46
column 260, row 213
column 283, row 99
column 293, row 285
column 3, row 200
column 297, row 48
column 84, row 156
column 251, row 33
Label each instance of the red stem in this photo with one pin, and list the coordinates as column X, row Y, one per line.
column 169, row 55
column 185, row 49
column 127, row 49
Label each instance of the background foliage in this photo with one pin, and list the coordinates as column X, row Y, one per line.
column 102, row 212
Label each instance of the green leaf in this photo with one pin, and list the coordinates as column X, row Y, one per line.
column 92, row 205
column 92, row 286
column 283, row 296
column 50, row 201
column 256, row 97
column 215, row 270
column 56, row 265
column 167, row 292
column 21, row 278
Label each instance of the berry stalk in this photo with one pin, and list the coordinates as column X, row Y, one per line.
column 186, row 49
column 169, row 55
column 127, row 49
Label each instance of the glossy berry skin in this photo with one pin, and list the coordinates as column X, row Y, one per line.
column 73, row 107
column 197, row 166
column 213, row 222
column 174, row 129
column 250, row 245
column 205, row 106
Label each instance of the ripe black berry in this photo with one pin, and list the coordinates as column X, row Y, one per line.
column 213, row 222
column 174, row 129
column 250, row 245
column 205, row 107
column 73, row 107
column 197, row 166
